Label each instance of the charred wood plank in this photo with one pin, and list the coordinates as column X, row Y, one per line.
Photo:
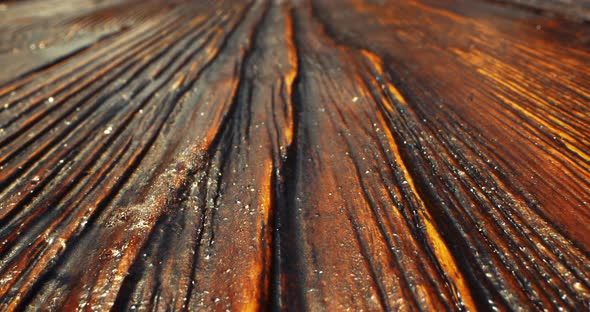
column 293, row 155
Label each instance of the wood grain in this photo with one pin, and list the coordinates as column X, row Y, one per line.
column 293, row 155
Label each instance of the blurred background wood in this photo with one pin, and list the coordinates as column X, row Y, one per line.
column 576, row 9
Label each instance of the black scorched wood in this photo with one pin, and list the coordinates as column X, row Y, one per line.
column 297, row 155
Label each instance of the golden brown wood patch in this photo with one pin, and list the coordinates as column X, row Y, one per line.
column 293, row 155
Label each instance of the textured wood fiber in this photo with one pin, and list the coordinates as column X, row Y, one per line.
column 293, row 155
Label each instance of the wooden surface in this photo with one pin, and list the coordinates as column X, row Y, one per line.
column 572, row 9
column 293, row 155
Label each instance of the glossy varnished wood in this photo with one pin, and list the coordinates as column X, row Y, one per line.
column 294, row 155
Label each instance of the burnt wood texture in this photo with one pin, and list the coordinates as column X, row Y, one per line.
column 420, row 155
